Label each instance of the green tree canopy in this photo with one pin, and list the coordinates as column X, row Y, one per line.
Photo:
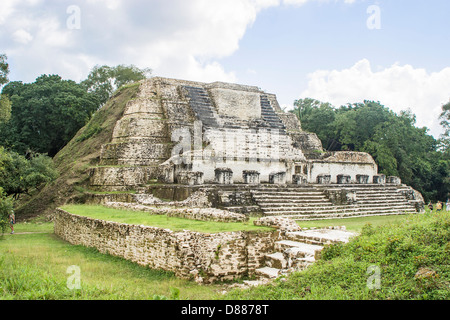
column 19, row 175
column 104, row 80
column 317, row 117
column 4, row 69
column 445, row 122
column 45, row 114
column 6, row 207
column 5, row 108
column 398, row 147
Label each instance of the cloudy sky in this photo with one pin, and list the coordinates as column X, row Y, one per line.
column 337, row 51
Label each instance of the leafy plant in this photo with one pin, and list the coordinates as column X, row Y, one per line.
column 6, row 207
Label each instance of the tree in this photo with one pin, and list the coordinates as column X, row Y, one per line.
column 4, row 69
column 19, row 175
column 6, row 206
column 397, row 146
column 318, row 117
column 5, row 108
column 445, row 122
column 104, row 80
column 45, row 114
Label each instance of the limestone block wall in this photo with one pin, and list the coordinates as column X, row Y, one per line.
column 243, row 128
column 121, row 178
column 135, row 153
column 241, row 104
column 334, row 169
column 191, row 255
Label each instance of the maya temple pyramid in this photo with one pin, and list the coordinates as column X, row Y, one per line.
column 234, row 144
column 219, row 152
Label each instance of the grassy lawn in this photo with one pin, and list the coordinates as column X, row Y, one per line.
column 34, row 266
column 354, row 224
column 161, row 221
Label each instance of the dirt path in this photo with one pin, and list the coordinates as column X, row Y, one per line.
column 18, row 233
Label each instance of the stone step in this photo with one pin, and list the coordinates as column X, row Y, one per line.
column 268, row 272
column 320, row 215
column 380, row 198
column 274, row 192
column 276, row 260
column 313, row 217
column 374, row 189
column 300, row 205
column 321, row 236
column 381, row 193
column 304, row 207
column 393, row 205
column 298, row 248
column 309, row 210
column 324, row 206
column 289, row 195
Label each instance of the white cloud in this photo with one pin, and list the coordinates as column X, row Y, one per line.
column 302, row 2
column 397, row 87
column 22, row 36
column 178, row 38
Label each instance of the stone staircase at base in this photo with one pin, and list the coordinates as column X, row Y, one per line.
column 312, row 203
column 298, row 250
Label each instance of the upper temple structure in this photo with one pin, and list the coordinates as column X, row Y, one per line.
column 234, row 141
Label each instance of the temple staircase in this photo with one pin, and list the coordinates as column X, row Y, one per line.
column 312, row 203
column 202, row 106
column 298, row 250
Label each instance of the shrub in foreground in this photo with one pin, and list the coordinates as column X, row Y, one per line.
column 408, row 260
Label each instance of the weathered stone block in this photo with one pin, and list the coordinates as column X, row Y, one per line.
column 122, row 176
column 379, row 179
column 223, row 175
column 394, row 180
column 341, row 196
column 140, row 153
column 144, row 105
column 142, row 126
column 299, row 179
column 250, row 176
column 190, row 177
column 362, row 178
column 343, row 179
column 323, row 179
column 277, row 177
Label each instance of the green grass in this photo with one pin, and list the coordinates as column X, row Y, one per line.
column 161, row 221
column 354, row 224
column 34, row 266
column 399, row 249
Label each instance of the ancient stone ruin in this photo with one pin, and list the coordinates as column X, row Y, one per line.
column 224, row 152
column 236, row 144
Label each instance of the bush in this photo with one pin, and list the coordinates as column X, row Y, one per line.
column 19, row 175
column 6, row 206
column 412, row 257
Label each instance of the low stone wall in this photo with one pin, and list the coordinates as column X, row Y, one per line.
column 201, row 214
column 282, row 223
column 191, row 255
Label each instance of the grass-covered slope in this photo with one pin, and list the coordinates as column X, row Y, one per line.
column 411, row 258
column 82, row 152
column 160, row 221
